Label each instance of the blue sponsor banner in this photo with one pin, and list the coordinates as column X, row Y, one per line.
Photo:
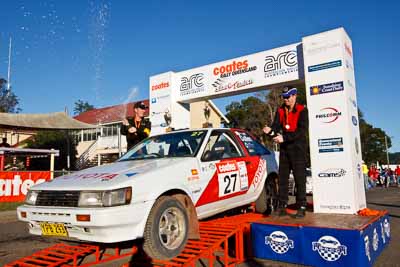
column 330, row 247
column 326, row 65
column 317, row 246
column 326, row 88
column 327, row 150
column 374, row 239
column 330, row 145
column 275, row 242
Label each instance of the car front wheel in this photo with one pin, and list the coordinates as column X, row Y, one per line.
column 166, row 230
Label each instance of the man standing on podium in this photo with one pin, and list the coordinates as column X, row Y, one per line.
column 289, row 131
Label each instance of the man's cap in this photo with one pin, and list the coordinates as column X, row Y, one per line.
column 289, row 91
column 141, row 105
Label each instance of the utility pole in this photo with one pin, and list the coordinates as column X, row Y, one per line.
column 387, row 152
column 9, row 67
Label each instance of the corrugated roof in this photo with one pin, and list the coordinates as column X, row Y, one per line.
column 110, row 114
column 48, row 121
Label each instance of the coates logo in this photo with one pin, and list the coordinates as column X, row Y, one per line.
column 192, row 85
column 229, row 166
column 348, row 49
column 332, row 173
column 234, row 68
column 283, row 63
column 279, row 242
column 329, row 115
column 159, row 86
column 329, row 248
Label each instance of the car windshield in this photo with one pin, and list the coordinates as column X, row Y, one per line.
column 179, row 144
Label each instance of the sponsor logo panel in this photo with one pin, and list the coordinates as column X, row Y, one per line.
column 192, row 85
column 354, row 120
column 233, row 68
column 332, row 173
column 279, row 242
column 348, row 49
column 326, row 88
column 324, row 66
column 159, row 86
column 221, row 85
column 328, row 115
column 282, row 64
column 321, row 48
column 329, row 248
column 330, row 145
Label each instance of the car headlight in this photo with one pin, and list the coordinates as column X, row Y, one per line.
column 90, row 199
column 105, row 198
column 31, row 197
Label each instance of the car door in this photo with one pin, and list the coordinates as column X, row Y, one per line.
column 223, row 173
column 261, row 162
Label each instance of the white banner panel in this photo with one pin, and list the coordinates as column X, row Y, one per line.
column 160, row 102
column 238, row 75
column 335, row 157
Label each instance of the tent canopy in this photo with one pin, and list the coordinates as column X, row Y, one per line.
column 49, row 121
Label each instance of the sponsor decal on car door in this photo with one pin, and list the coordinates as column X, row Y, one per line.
column 230, row 178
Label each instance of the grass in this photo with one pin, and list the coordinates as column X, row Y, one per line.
column 9, row 205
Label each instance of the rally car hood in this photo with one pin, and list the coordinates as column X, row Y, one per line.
column 110, row 176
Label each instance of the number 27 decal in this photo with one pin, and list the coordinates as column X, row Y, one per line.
column 228, row 183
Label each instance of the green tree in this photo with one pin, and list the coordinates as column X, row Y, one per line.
column 81, row 107
column 8, row 100
column 59, row 140
column 372, row 142
column 249, row 114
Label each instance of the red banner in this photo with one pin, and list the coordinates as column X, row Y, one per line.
column 14, row 185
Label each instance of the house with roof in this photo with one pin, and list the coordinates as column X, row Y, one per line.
column 105, row 143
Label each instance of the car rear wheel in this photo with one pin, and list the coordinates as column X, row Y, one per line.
column 267, row 201
column 166, row 230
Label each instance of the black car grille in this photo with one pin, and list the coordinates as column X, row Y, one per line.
column 58, row 198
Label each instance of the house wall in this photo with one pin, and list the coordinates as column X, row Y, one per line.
column 197, row 115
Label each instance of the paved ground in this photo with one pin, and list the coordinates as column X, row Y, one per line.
column 15, row 242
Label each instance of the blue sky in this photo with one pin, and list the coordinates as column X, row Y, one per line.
column 102, row 51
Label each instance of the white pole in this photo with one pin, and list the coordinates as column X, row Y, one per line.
column 9, row 66
column 387, row 152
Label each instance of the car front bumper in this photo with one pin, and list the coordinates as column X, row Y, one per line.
column 106, row 225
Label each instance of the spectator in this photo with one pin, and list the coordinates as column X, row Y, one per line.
column 137, row 128
column 365, row 174
column 397, row 174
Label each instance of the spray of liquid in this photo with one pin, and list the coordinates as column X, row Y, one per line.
column 133, row 91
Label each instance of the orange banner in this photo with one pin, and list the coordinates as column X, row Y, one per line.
column 14, row 185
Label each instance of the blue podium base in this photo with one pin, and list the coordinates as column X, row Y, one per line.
column 322, row 239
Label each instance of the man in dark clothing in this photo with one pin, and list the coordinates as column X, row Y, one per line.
column 136, row 129
column 289, row 130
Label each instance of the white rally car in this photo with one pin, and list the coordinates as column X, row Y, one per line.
column 157, row 190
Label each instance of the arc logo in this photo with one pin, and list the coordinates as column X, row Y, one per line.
column 283, row 63
column 192, row 84
column 329, row 248
column 279, row 242
column 328, row 115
